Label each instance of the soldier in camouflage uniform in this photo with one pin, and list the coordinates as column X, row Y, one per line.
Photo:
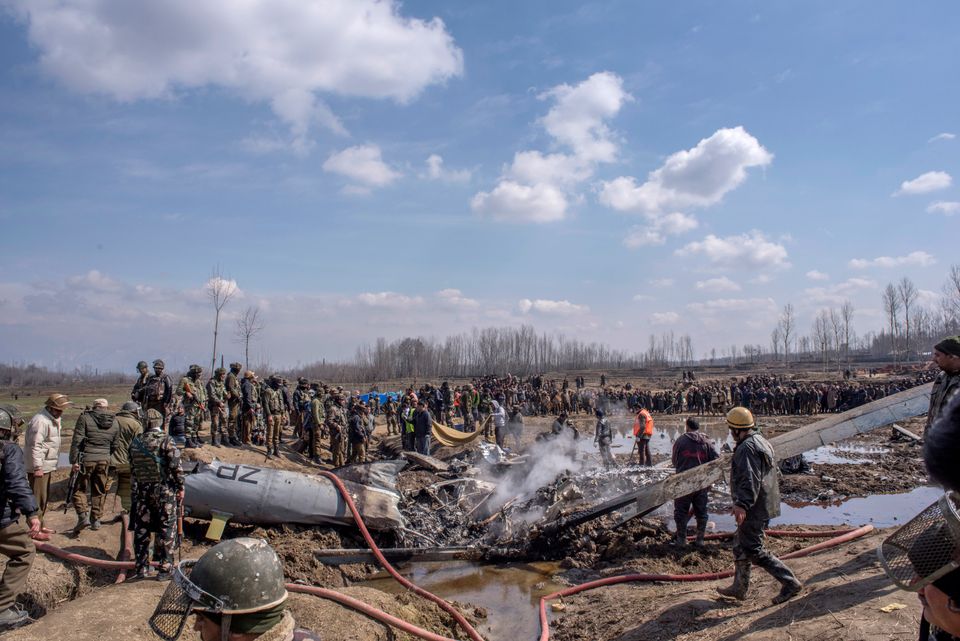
column 158, row 392
column 138, row 394
column 301, row 405
column 273, row 406
column 157, row 491
column 234, row 398
column 194, row 398
column 220, row 428
column 390, row 411
column 313, row 420
column 336, row 421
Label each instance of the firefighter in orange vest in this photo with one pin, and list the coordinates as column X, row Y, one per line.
column 643, row 431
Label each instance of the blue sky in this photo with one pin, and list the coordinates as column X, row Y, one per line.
column 366, row 169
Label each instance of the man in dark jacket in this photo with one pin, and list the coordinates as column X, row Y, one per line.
column 755, row 491
column 946, row 354
column 692, row 449
column 357, row 434
column 16, row 498
column 422, row 425
column 91, row 455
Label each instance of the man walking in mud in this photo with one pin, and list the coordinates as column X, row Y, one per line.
column 755, row 491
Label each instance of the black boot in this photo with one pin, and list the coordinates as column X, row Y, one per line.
column 701, row 533
column 741, row 582
column 790, row 586
column 235, row 442
column 680, row 538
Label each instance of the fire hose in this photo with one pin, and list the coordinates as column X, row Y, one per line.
column 849, row 535
column 388, row 619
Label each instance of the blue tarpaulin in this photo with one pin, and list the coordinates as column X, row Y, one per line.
column 383, row 396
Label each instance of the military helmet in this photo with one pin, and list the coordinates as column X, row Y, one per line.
column 10, row 421
column 154, row 418
column 159, row 363
column 236, row 366
column 740, row 418
column 219, row 371
column 195, row 369
column 131, row 406
column 141, row 364
column 211, row 585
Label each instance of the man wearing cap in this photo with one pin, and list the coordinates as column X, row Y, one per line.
column 42, row 449
column 157, row 491
column 91, row 452
column 946, row 354
column 755, row 491
column 15, row 499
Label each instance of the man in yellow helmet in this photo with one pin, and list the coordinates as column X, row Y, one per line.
column 755, row 491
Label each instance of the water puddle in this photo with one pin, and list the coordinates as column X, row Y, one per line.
column 845, row 453
column 510, row 593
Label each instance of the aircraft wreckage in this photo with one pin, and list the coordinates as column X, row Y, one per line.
column 485, row 500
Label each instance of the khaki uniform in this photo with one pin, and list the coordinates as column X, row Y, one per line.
column 336, row 422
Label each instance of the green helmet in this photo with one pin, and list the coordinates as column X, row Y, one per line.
column 219, row 371
column 141, row 364
column 195, row 369
column 154, row 418
column 10, row 421
column 240, row 579
column 159, row 363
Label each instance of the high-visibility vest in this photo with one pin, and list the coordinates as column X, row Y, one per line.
column 646, row 427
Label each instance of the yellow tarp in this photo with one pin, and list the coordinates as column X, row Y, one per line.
column 451, row 438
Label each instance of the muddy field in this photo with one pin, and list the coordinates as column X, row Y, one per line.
column 845, row 589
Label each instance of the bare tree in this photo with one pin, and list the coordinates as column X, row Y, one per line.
column 907, row 292
column 787, row 325
column 951, row 295
column 836, row 327
column 219, row 290
column 775, row 339
column 821, row 336
column 891, row 306
column 846, row 315
column 248, row 326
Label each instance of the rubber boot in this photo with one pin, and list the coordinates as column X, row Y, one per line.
column 741, row 582
column 83, row 522
column 701, row 533
column 216, row 440
column 790, row 585
column 680, row 538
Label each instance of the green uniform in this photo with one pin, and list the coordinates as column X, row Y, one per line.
column 217, row 405
column 337, row 425
column 194, row 398
column 128, row 427
column 157, row 478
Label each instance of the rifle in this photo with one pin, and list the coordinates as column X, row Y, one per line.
column 72, row 484
column 179, row 526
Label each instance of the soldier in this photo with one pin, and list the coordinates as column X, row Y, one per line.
column 358, row 434
column 157, row 492
column 234, row 401
column 246, row 576
column 140, row 387
column 390, row 412
column 128, row 428
column 756, row 499
column 336, row 422
column 91, row 453
column 220, row 429
column 159, row 391
column 194, row 398
column 313, row 420
column 287, row 403
column 301, row 405
column 15, row 543
column 466, row 408
column 273, row 413
column 447, row 395
column 250, row 405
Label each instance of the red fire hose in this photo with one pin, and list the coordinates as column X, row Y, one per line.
column 848, row 535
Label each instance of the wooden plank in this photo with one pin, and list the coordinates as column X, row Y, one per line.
column 426, row 462
column 907, row 433
column 860, row 420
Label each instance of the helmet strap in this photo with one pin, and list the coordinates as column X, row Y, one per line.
column 225, row 621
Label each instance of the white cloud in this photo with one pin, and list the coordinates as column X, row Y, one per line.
column 656, row 231
column 95, row 281
column 697, row 177
column 436, row 171
column 733, row 305
column 721, row 284
column 512, row 202
column 661, row 282
column 917, row 259
column 925, row 183
column 454, row 298
column 664, row 318
column 389, row 300
column 927, row 298
column 536, row 186
column 813, row 274
column 551, row 307
column 642, row 297
column 749, row 251
column 677, row 223
column 947, row 208
column 944, row 136
column 838, row 293
column 639, row 236
column 284, row 55
column 363, row 164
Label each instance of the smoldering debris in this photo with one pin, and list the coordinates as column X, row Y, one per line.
column 502, row 503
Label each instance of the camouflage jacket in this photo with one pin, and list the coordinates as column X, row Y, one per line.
column 158, row 389
column 191, row 393
column 155, row 459
column 216, row 394
column 233, row 388
column 336, row 420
